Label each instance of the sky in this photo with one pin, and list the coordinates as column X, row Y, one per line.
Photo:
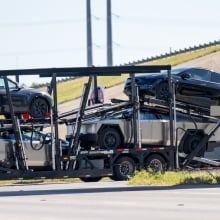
column 52, row 33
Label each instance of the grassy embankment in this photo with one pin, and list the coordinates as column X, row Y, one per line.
column 72, row 89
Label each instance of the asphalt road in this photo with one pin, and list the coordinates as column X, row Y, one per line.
column 108, row 200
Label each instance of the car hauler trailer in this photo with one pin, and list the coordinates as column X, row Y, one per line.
column 94, row 163
column 71, row 162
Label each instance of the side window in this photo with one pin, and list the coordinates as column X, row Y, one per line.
column 164, row 116
column 180, row 117
column 215, row 77
column 34, row 136
column 11, row 84
column 199, row 74
column 2, row 84
column 147, row 116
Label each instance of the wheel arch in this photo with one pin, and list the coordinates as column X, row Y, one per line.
column 190, row 133
column 49, row 103
column 45, row 98
column 135, row 159
column 115, row 126
column 156, row 153
column 158, row 82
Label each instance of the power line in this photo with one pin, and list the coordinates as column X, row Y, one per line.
column 39, row 23
column 61, row 50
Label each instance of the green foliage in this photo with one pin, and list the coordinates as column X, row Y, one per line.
column 34, row 85
column 144, row 177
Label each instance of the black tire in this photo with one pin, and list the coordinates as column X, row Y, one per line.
column 155, row 163
column 7, row 116
column 39, row 108
column 90, row 179
column 124, row 168
column 109, row 139
column 162, row 91
column 85, row 145
column 191, row 143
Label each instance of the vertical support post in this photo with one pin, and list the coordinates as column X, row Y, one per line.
column 50, row 89
column 176, row 147
column 171, row 114
column 139, row 139
column 56, row 130
column 19, row 148
column 74, row 148
column 17, row 78
column 95, row 87
column 135, row 112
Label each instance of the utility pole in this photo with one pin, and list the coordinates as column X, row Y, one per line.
column 109, row 34
column 89, row 33
column 17, row 76
column 89, row 46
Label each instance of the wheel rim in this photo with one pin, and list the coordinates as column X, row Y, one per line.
column 39, row 108
column 156, row 166
column 110, row 141
column 162, row 92
column 126, row 168
column 193, row 145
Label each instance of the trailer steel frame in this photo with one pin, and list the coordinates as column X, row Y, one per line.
column 74, row 163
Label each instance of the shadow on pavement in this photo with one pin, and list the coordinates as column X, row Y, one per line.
column 102, row 190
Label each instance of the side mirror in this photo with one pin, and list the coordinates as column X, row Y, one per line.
column 185, row 76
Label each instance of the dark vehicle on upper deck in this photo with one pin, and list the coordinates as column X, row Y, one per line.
column 195, row 86
column 24, row 100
